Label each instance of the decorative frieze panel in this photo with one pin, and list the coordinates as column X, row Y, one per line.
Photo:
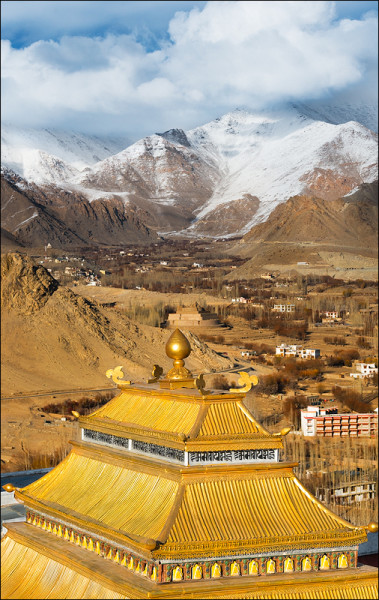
column 99, row 437
column 172, row 454
column 181, row 456
column 234, row 456
column 201, row 569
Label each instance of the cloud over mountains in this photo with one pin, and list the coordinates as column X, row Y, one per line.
column 214, row 58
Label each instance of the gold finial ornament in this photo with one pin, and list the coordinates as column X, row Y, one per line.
column 178, row 348
column 372, row 527
column 247, row 381
column 283, row 432
column 75, row 413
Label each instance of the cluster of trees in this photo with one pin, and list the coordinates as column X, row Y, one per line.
column 312, row 368
column 350, row 398
column 292, row 407
column 152, row 315
column 259, row 348
column 215, row 339
column 290, row 373
column 284, row 327
column 274, row 383
column 363, row 343
column 84, row 405
column 342, row 358
column 335, row 341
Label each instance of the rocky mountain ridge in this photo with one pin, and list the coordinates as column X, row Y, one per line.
column 33, row 215
column 217, row 180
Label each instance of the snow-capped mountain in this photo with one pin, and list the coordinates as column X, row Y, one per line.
column 49, row 156
column 219, row 179
column 279, row 155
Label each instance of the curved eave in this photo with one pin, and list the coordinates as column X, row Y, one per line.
column 75, row 573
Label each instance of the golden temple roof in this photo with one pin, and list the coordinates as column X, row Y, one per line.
column 167, row 475
column 24, row 576
column 187, row 511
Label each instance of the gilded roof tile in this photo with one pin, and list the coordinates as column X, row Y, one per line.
column 257, row 511
column 229, row 418
column 26, row 573
column 156, row 412
column 123, row 499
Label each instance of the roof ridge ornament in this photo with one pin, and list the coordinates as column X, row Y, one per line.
column 156, row 373
column 246, row 381
column 116, row 375
column 200, row 384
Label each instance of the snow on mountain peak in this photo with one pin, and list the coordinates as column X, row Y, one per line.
column 23, row 150
column 254, row 160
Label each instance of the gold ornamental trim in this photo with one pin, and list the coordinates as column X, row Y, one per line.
column 143, row 434
column 245, row 441
column 238, row 547
column 242, row 442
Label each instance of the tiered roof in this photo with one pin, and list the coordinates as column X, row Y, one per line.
column 173, row 486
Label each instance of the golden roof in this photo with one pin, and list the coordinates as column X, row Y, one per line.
column 175, row 511
column 24, row 576
column 161, row 511
column 191, row 421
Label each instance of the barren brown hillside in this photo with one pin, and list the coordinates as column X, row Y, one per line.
column 334, row 237
column 54, row 339
column 346, row 222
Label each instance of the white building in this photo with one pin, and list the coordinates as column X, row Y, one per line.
column 240, row 300
column 288, row 350
column 309, row 353
column 364, row 370
column 295, row 350
column 331, row 314
column 284, row 308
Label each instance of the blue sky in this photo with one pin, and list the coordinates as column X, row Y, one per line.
column 139, row 67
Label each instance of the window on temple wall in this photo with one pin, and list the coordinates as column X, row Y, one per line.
column 306, row 564
column 288, row 565
column 270, row 566
column 177, row 574
column 342, row 561
column 197, row 572
column 234, row 568
column 216, row 570
column 131, row 563
column 253, row 567
column 325, row 562
column 154, row 574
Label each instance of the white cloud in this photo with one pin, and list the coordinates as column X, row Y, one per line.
column 228, row 54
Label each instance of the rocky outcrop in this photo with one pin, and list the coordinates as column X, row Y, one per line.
column 26, row 287
column 56, row 339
